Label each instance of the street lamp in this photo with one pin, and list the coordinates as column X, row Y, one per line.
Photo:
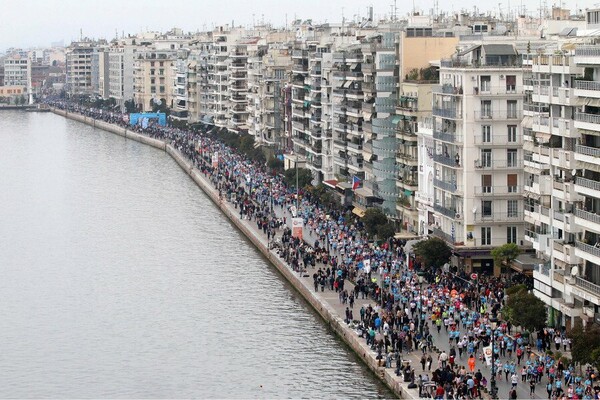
column 421, row 277
column 493, row 387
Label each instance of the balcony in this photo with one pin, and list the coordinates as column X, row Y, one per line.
column 587, row 121
column 498, row 115
column 588, row 151
column 589, row 249
column 448, row 161
column 584, row 184
column 498, row 190
column 498, row 164
column 448, row 212
column 590, row 220
column 587, row 285
column 443, row 235
column 499, row 217
column 447, row 137
column 451, row 187
column 446, row 113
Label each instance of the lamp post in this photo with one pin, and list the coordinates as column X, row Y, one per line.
column 493, row 387
column 421, row 278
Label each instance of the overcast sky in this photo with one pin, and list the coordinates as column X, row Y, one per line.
column 28, row 23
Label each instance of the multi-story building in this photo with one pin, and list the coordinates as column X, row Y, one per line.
column 153, row 78
column 347, row 97
column 550, row 139
column 478, row 155
column 268, row 72
column 17, row 69
column 79, row 68
column 237, row 67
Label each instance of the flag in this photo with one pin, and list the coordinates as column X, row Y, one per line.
column 355, row 182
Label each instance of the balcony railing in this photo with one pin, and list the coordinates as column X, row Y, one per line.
column 443, row 235
column 588, row 51
column 593, row 250
column 448, row 161
column 451, row 187
column 589, row 118
column 587, row 85
column 587, row 285
column 588, row 216
column 498, row 114
column 445, row 112
column 499, row 217
column 588, row 151
column 498, row 190
column 448, row 212
column 587, row 183
column 447, row 137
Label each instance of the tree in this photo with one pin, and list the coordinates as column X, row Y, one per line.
column 275, row 164
column 386, row 231
column 526, row 310
column 304, row 177
column 130, row 106
column 433, row 252
column 585, row 345
column 505, row 254
column 372, row 220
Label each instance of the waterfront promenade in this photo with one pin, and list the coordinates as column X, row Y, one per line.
column 326, row 302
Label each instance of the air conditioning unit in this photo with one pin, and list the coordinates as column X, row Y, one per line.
column 457, row 216
column 478, row 164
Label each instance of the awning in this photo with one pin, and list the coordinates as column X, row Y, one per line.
column 396, row 119
column 353, row 66
column 543, row 136
column 358, row 211
column 527, row 121
column 408, row 193
column 364, row 192
column 347, row 84
column 330, row 183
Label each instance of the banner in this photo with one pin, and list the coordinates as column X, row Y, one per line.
column 367, row 265
column 215, row 160
column 487, row 353
column 297, row 225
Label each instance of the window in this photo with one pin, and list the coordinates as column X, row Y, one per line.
column 486, row 158
column 486, row 81
column 162, row 64
column 162, row 89
column 512, row 133
column 152, row 63
column 486, row 235
column 486, row 109
column 152, row 72
column 511, row 183
column 511, row 208
column 152, row 89
column 511, row 109
column 511, row 234
column 486, row 183
column 486, row 208
column 511, row 158
column 161, row 71
column 511, row 83
column 152, row 81
column 486, row 133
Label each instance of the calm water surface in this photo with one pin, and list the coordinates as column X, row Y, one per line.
column 119, row 278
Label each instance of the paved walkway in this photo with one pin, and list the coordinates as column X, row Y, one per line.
column 440, row 340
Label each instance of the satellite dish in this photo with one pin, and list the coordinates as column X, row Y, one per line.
column 575, row 271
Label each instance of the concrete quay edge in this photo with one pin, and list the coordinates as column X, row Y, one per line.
column 333, row 318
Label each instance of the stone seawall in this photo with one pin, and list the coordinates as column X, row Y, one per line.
column 327, row 312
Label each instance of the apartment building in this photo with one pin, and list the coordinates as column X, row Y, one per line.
column 78, row 70
column 478, row 180
column 237, row 67
column 17, row 69
column 153, row 78
column 268, row 72
column 347, row 97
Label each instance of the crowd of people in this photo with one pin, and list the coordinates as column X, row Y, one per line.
column 407, row 315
